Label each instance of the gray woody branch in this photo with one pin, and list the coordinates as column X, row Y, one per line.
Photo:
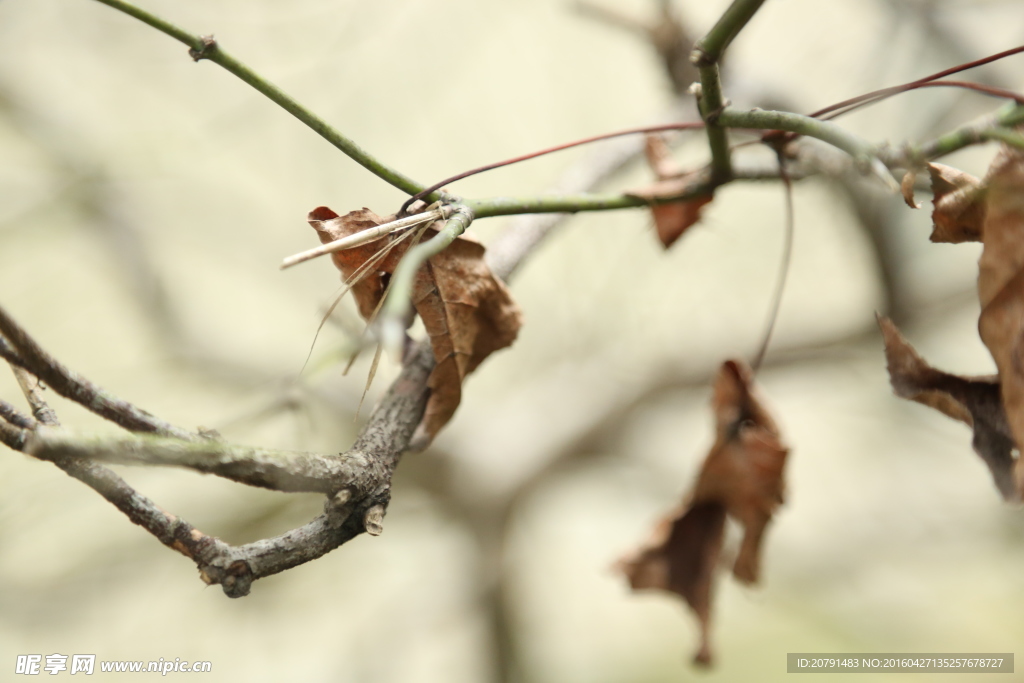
column 357, row 482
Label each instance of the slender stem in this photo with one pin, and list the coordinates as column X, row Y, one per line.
column 9, row 413
column 558, row 148
column 709, row 49
column 1005, row 135
column 73, row 386
column 204, row 47
column 559, row 203
column 32, row 388
column 574, row 203
column 787, row 259
column 705, row 56
column 711, row 106
column 763, row 119
column 885, row 92
column 399, row 302
column 955, row 140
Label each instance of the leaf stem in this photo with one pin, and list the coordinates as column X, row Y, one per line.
column 205, row 47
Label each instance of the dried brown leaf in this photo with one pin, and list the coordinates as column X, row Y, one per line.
column 959, row 210
column 741, row 478
column 671, row 219
column 467, row 311
column 681, row 557
column 975, row 401
column 1001, row 285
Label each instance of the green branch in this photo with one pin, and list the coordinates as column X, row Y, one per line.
column 826, row 131
column 710, row 101
column 997, row 127
column 556, row 203
column 711, row 104
column 709, row 49
column 575, row 203
column 204, row 47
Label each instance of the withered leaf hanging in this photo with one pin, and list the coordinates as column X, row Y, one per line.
column 741, row 478
column 975, row 401
column 671, row 219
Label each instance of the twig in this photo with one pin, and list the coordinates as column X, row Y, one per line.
column 75, row 387
column 710, row 48
column 14, row 437
column 372, row 459
column 15, row 417
column 886, row 92
column 170, row 530
column 970, row 134
column 205, row 47
column 558, row 148
column 706, row 55
column 289, row 471
column 30, row 386
column 711, row 102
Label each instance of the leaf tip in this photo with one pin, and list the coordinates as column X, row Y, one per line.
column 322, row 213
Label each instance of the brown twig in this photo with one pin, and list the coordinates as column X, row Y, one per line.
column 15, row 417
column 71, row 385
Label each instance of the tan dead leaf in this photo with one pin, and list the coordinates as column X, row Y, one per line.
column 1001, row 285
column 742, row 478
column 671, row 219
column 975, row 401
column 959, row 206
column 467, row 311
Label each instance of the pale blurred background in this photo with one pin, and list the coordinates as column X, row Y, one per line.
column 146, row 201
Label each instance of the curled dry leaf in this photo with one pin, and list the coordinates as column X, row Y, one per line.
column 1001, row 285
column 959, row 210
column 742, row 478
column 975, row 401
column 467, row 311
column 671, row 219
column 992, row 212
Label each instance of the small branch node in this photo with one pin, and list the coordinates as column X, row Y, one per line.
column 207, row 46
column 699, row 58
column 209, row 434
column 712, row 116
column 337, row 507
column 374, row 520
